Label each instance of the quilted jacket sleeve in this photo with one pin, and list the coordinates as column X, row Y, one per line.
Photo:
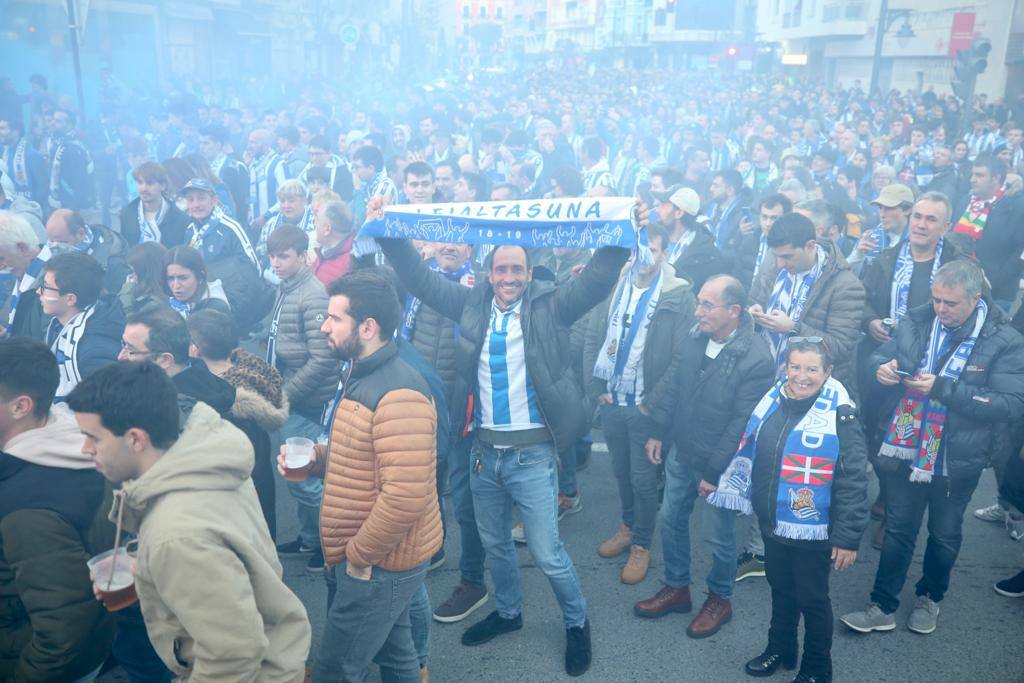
column 319, row 374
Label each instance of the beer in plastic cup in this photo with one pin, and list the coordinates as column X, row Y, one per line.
column 298, row 458
column 119, row 592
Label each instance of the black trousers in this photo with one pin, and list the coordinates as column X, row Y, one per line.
column 798, row 577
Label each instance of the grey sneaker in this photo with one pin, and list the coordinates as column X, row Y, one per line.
column 466, row 598
column 1015, row 525
column 992, row 513
column 871, row 618
column 749, row 565
column 924, row 616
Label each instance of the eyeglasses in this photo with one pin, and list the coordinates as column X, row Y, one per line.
column 43, row 287
column 132, row 353
column 707, row 306
column 809, row 340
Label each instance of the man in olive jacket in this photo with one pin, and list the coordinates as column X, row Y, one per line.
column 655, row 306
column 724, row 370
column 51, row 627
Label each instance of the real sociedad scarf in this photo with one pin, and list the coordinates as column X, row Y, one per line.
column 972, row 223
column 18, row 168
column 27, row 283
column 465, row 276
column 808, row 465
column 899, row 297
column 620, row 361
column 789, row 295
column 578, row 223
column 149, row 230
column 918, row 423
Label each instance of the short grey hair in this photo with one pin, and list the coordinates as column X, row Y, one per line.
column 820, row 214
column 962, row 273
column 884, row 169
column 15, row 230
column 938, row 198
column 733, row 293
column 338, row 215
column 796, row 187
column 292, row 188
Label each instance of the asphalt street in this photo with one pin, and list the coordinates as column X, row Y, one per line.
column 977, row 639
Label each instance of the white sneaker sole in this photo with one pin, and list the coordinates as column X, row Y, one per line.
column 922, row 631
column 869, row 629
column 459, row 617
column 1008, row 594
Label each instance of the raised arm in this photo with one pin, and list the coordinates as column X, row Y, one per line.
column 444, row 296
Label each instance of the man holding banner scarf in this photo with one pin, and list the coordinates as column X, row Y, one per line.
column 953, row 377
column 512, row 363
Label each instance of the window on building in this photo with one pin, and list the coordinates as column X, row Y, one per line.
column 465, row 11
column 499, row 12
column 659, row 17
column 483, row 11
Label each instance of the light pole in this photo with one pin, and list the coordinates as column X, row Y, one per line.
column 73, row 32
column 886, row 17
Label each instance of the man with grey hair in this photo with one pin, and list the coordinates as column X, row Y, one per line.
column 24, row 257
column 724, row 370
column 950, row 384
column 818, row 212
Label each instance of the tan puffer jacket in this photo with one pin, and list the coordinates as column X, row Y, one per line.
column 380, row 495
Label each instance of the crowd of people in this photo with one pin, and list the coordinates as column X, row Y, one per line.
column 827, row 293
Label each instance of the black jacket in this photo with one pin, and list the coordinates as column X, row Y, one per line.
column 848, row 514
column 196, row 383
column 548, row 311
column 744, row 258
column 949, row 182
column 710, row 404
column 701, row 260
column 172, row 227
column 981, row 404
column 673, row 317
column 999, row 248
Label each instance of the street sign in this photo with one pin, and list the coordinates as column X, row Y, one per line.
column 349, row 34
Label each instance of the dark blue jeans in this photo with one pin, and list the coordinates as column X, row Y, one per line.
column 905, row 503
column 471, row 562
column 134, row 652
column 635, row 475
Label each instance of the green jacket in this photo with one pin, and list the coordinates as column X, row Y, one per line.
column 207, row 574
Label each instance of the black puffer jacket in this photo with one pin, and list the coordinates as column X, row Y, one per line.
column 998, row 250
column 709, row 407
column 981, row 404
column 110, row 250
column 433, row 337
column 701, row 260
column 848, row 514
column 672, row 319
column 172, row 227
column 548, row 312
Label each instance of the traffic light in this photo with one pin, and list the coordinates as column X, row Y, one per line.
column 731, row 51
column 969, row 64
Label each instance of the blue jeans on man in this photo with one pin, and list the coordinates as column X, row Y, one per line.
column 308, row 492
column 525, row 476
column 719, row 526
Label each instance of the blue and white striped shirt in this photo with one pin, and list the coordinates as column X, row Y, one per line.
column 508, row 402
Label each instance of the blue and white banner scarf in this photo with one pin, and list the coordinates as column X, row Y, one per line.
column 276, row 221
column 27, row 282
column 807, row 468
column 64, row 342
column 578, row 223
column 789, row 295
column 620, row 361
column 182, row 308
column 677, row 249
column 149, row 230
column 899, row 297
column 17, row 168
column 465, row 276
column 275, row 320
column 916, row 428
column 762, row 251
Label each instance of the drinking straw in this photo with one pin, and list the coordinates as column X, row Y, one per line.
column 117, row 537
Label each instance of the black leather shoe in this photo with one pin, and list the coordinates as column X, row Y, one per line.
column 767, row 663
column 492, row 626
column 577, row 649
column 805, row 678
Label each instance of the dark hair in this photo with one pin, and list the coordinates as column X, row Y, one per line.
column 186, row 257
column 289, row 133
column 594, row 147
column 650, row 143
column 791, row 230
column 370, row 295
column 758, row 140
column 152, row 172
column 669, row 176
column 320, row 142
column 731, row 177
column 661, row 232
column 420, row 169
column 568, row 178
column 147, row 263
column 818, row 347
column 28, row 368
column 131, row 396
column 776, row 199
column 216, row 132
column 994, row 164
column 478, row 183
column 448, row 163
column 852, row 173
column 368, row 155
column 214, row 332
column 168, row 332
column 287, row 237
column 514, row 192
column 317, row 173
column 78, row 273
column 490, row 136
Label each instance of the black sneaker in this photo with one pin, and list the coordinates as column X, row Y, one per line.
column 1012, row 587
column 437, row 560
column 577, row 649
column 749, row 565
column 492, row 626
column 293, row 548
column 316, row 562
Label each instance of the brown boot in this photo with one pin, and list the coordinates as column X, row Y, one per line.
column 715, row 613
column 424, row 676
column 636, row 567
column 617, row 544
column 667, row 600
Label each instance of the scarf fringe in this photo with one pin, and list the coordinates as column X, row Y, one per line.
column 919, row 476
column 802, row 532
column 731, row 501
column 897, row 452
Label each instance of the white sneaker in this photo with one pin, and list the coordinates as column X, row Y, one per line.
column 1015, row 526
column 992, row 513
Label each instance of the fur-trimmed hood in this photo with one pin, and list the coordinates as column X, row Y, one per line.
column 258, row 394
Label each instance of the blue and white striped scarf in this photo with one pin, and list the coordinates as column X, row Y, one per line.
column 807, row 468
column 899, row 298
column 149, row 230
column 620, row 361
column 27, row 282
column 789, row 295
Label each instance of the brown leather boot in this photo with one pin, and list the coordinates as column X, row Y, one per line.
column 424, row 676
column 667, row 600
column 715, row 613
column 617, row 544
column 636, row 567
